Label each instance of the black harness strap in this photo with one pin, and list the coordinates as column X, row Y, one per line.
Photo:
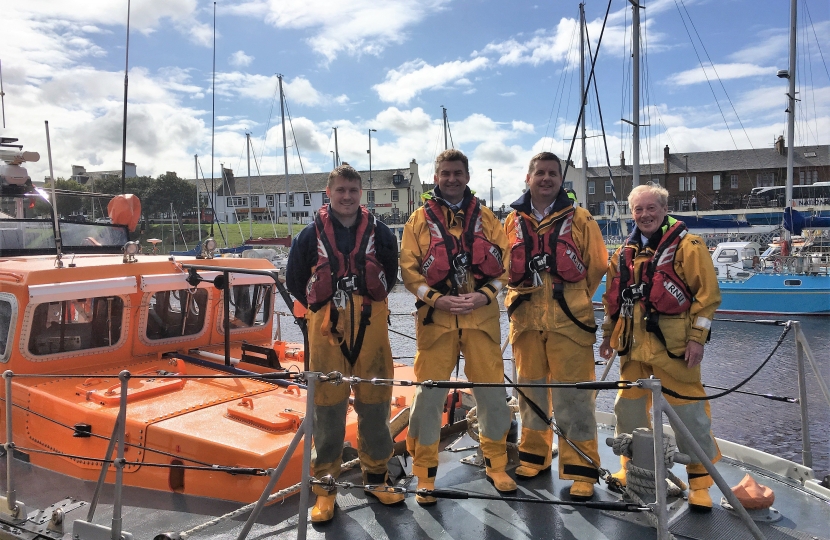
column 559, row 296
column 522, row 298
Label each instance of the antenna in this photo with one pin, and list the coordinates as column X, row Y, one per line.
column 124, row 133
column 213, row 122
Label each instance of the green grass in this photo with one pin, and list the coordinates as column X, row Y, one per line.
column 231, row 232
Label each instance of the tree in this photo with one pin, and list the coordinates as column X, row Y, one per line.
column 70, row 204
column 166, row 189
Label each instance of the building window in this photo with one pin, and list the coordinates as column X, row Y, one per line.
column 568, row 185
column 766, row 179
column 592, row 188
column 326, row 199
column 688, row 183
column 801, row 177
column 291, row 200
column 237, row 202
column 608, row 186
column 715, row 182
column 815, row 176
column 255, row 201
column 370, row 196
column 733, row 181
column 394, row 195
column 306, row 199
column 269, row 200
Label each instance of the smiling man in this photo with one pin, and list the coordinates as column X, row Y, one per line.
column 342, row 269
column 451, row 259
column 557, row 260
column 661, row 296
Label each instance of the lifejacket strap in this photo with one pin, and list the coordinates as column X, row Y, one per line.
column 559, row 296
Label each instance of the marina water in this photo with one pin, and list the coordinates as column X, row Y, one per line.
column 734, row 352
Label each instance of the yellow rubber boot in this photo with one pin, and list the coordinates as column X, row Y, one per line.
column 581, row 491
column 699, row 484
column 323, row 509
column 386, row 495
column 620, row 475
column 700, row 500
column 497, row 476
column 424, row 482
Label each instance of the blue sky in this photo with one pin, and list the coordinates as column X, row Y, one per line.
column 505, row 71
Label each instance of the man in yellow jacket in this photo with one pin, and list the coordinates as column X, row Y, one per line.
column 452, row 260
column 661, row 296
column 556, row 261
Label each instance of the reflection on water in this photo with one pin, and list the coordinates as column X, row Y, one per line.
column 735, row 351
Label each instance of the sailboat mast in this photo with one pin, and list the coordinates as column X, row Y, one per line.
column 336, row 150
column 444, row 109
column 285, row 157
column 582, row 92
column 124, row 130
column 791, row 105
column 2, row 96
column 250, row 215
column 635, row 93
column 198, row 202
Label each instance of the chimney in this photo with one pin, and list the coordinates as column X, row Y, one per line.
column 622, row 158
column 666, row 155
column 780, row 147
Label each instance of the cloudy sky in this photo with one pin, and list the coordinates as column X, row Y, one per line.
column 507, row 72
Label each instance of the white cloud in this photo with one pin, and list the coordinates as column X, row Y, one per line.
column 355, row 27
column 240, row 59
column 724, row 71
column 261, row 87
column 518, row 125
column 768, row 48
column 414, row 77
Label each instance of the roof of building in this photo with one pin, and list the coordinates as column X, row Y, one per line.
column 725, row 161
column 311, row 182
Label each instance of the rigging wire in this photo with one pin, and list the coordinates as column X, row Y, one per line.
column 212, row 198
column 262, row 186
column 824, row 63
column 296, row 146
column 560, row 85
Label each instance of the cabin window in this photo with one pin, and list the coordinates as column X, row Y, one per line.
column 173, row 314
column 251, row 306
column 728, row 256
column 75, row 325
column 792, row 282
column 8, row 317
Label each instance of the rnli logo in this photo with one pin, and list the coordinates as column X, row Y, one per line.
column 675, row 291
column 496, row 253
column 427, row 264
column 370, row 246
column 667, row 256
column 578, row 265
column 566, row 226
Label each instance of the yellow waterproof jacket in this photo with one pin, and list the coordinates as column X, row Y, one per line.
column 693, row 265
column 542, row 312
column 414, row 246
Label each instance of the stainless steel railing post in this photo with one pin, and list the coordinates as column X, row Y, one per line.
column 659, row 459
column 124, row 376
column 302, row 525
column 806, row 446
column 11, row 496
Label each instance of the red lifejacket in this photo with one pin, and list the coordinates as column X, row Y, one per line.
column 446, row 252
column 549, row 247
column 359, row 272
column 660, row 289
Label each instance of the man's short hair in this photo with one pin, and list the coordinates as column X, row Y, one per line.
column 649, row 189
column 347, row 172
column 543, row 156
column 452, row 154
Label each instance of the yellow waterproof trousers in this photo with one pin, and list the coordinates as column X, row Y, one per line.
column 633, row 405
column 543, row 357
column 482, row 363
column 331, row 402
